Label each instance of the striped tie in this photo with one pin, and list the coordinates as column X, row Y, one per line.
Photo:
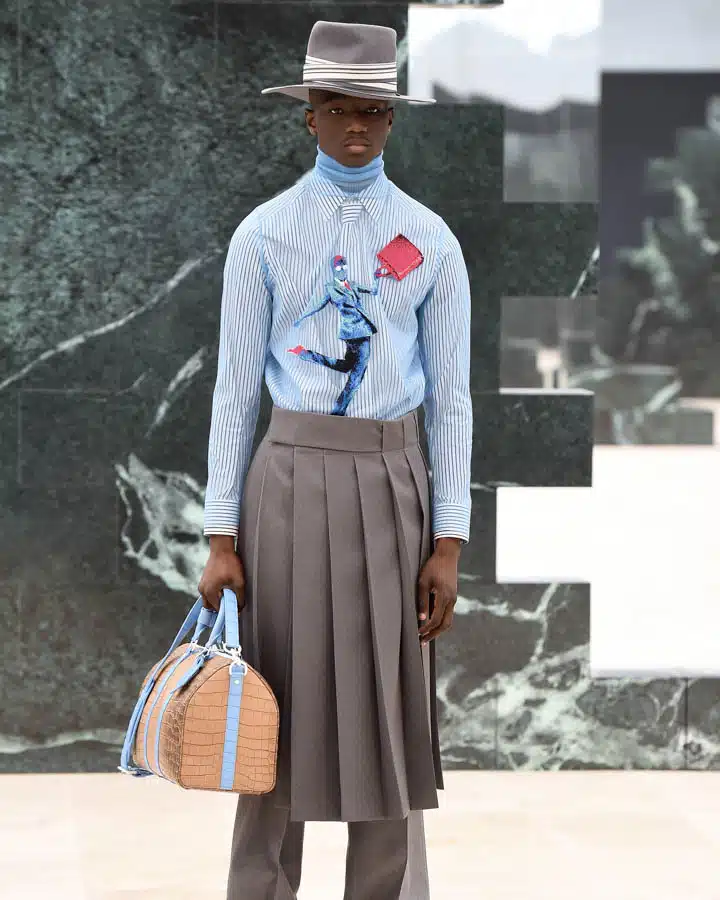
column 351, row 209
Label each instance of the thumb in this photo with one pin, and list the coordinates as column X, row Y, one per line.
column 238, row 588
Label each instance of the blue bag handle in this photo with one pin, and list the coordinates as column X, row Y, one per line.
column 206, row 619
column 202, row 618
column 226, row 621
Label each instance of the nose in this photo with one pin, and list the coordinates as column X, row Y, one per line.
column 356, row 125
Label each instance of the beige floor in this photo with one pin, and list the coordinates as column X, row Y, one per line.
column 497, row 836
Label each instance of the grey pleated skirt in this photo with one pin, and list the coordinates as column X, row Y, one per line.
column 334, row 528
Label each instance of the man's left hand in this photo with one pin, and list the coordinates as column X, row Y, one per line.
column 438, row 576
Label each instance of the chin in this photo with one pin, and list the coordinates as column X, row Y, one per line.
column 349, row 158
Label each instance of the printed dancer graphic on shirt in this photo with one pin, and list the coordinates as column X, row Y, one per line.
column 356, row 329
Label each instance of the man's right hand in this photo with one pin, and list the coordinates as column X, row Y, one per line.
column 224, row 569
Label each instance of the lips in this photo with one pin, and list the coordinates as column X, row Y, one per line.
column 357, row 142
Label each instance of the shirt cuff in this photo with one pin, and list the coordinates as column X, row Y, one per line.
column 222, row 517
column 451, row 520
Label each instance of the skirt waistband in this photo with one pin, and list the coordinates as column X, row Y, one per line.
column 326, row 432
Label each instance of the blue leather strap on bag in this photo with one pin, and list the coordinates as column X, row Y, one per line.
column 224, row 624
column 228, row 619
column 200, row 617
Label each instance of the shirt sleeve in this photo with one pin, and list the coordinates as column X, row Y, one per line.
column 444, row 339
column 245, row 320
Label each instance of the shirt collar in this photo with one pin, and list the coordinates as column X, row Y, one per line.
column 331, row 196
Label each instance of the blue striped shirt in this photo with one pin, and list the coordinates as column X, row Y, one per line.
column 284, row 289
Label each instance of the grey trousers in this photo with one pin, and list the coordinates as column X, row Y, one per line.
column 386, row 858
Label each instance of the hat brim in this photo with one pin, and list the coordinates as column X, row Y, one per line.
column 302, row 92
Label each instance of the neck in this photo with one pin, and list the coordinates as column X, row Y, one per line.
column 349, row 178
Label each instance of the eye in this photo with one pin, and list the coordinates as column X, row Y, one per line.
column 335, row 109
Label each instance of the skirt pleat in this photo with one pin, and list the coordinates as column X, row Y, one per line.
column 334, row 528
column 384, row 592
column 414, row 659
column 316, row 774
column 421, row 474
column 356, row 707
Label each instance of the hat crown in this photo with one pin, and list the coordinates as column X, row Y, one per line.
column 351, row 43
column 349, row 58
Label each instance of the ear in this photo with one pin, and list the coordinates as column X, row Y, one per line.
column 391, row 116
column 310, row 120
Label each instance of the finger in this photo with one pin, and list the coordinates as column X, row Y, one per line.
column 445, row 625
column 423, row 599
column 436, row 616
column 211, row 600
column 239, row 590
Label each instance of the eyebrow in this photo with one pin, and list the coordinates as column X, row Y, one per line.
column 369, row 100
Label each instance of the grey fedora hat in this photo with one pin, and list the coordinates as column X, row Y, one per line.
column 348, row 58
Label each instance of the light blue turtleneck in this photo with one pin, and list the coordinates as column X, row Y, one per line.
column 350, row 178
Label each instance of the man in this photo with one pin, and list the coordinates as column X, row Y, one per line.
column 341, row 590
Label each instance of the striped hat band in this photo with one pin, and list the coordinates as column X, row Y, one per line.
column 378, row 76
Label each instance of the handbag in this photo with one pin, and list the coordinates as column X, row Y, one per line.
column 205, row 719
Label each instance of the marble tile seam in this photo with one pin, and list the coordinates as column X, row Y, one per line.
column 13, row 744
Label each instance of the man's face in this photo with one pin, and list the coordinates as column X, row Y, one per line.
column 352, row 130
column 339, row 267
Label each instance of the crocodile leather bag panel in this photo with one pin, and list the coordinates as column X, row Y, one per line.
column 183, row 731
